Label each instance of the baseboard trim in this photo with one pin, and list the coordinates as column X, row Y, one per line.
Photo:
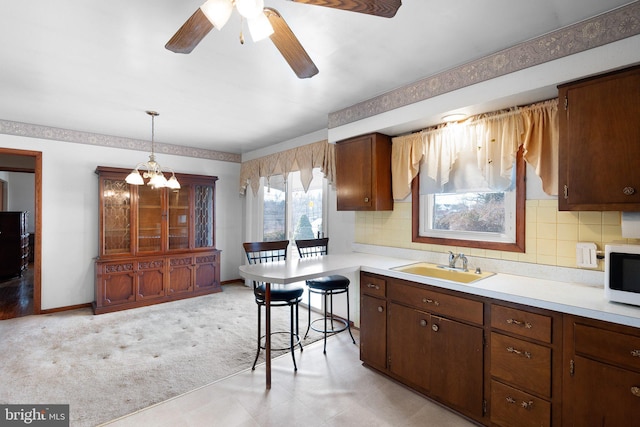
column 66, row 308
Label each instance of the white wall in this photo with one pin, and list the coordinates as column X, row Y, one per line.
column 70, row 211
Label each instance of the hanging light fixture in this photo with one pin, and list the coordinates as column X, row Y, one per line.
column 219, row 12
column 154, row 171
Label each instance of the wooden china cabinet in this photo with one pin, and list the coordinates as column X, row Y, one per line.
column 156, row 245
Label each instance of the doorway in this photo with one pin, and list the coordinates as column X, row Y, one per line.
column 21, row 295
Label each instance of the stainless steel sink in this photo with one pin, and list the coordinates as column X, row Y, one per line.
column 443, row 272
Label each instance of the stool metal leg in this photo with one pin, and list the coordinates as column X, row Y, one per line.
column 309, row 311
column 348, row 318
column 259, row 332
column 291, row 335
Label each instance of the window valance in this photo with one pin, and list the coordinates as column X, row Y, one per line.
column 490, row 141
column 304, row 159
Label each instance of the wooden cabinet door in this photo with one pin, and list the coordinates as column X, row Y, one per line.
column 363, row 173
column 150, row 279
column 457, row 371
column 603, row 395
column 181, row 275
column 373, row 331
column 409, row 344
column 117, row 282
column 207, row 272
column 599, row 143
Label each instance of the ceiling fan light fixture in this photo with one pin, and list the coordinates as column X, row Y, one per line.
column 217, row 12
column 250, row 8
column 259, row 27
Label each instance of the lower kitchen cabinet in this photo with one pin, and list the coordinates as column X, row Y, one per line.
column 602, row 375
column 437, row 355
column 373, row 312
column 525, row 366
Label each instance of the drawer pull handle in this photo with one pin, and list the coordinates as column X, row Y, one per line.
column 372, row 286
column 430, row 301
column 516, row 351
column 511, row 399
column 635, row 391
column 380, row 309
column 527, row 405
column 519, row 323
column 423, row 322
column 435, row 327
column 635, row 353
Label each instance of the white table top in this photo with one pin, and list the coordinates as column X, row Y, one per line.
column 571, row 298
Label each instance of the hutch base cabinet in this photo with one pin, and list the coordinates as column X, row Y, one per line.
column 156, row 245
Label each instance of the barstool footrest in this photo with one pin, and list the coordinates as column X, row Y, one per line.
column 296, row 341
column 330, row 320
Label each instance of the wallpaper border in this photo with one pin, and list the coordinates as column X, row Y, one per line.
column 44, row 132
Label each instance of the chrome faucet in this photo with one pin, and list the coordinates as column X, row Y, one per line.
column 454, row 258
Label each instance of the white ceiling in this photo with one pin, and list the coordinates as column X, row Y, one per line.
column 96, row 66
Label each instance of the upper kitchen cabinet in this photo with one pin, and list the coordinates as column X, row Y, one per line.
column 600, row 143
column 156, row 245
column 363, row 173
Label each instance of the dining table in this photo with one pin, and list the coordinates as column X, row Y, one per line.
column 292, row 271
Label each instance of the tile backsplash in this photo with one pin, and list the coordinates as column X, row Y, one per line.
column 550, row 235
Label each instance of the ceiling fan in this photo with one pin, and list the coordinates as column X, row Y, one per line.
column 267, row 22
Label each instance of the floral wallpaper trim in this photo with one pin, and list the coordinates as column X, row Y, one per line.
column 44, row 132
column 597, row 31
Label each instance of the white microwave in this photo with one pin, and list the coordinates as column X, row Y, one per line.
column 622, row 273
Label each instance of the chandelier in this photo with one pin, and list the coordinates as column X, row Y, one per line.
column 154, row 171
column 218, row 13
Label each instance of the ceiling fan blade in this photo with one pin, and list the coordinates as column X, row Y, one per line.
column 289, row 46
column 190, row 34
column 384, row 8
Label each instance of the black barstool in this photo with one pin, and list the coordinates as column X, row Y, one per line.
column 327, row 286
column 281, row 296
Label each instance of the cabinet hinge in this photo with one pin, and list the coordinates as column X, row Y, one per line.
column 566, row 103
column 484, row 407
column 572, row 367
column 566, row 191
column 389, row 362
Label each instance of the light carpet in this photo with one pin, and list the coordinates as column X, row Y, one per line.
column 109, row 365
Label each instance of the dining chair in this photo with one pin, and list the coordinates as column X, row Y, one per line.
column 281, row 295
column 327, row 286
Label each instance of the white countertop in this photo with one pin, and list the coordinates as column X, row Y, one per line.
column 572, row 298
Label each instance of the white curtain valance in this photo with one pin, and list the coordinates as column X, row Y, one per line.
column 303, row 159
column 481, row 149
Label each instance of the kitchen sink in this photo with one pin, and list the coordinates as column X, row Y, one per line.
column 443, row 272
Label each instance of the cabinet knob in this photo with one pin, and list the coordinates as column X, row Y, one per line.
column 635, row 391
column 629, row 191
column 435, row 327
column 380, row 309
column 366, row 200
column 372, row 286
column 635, row 353
column 423, row 322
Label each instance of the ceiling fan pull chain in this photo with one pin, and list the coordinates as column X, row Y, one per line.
column 241, row 27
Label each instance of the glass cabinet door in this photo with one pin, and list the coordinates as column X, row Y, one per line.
column 116, row 217
column 203, row 218
column 179, row 218
column 149, row 219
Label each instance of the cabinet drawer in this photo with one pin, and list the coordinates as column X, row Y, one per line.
column 512, row 407
column 436, row 302
column 521, row 363
column 373, row 286
column 530, row 325
column 613, row 347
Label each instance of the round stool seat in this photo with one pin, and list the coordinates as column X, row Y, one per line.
column 329, row 283
column 278, row 293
